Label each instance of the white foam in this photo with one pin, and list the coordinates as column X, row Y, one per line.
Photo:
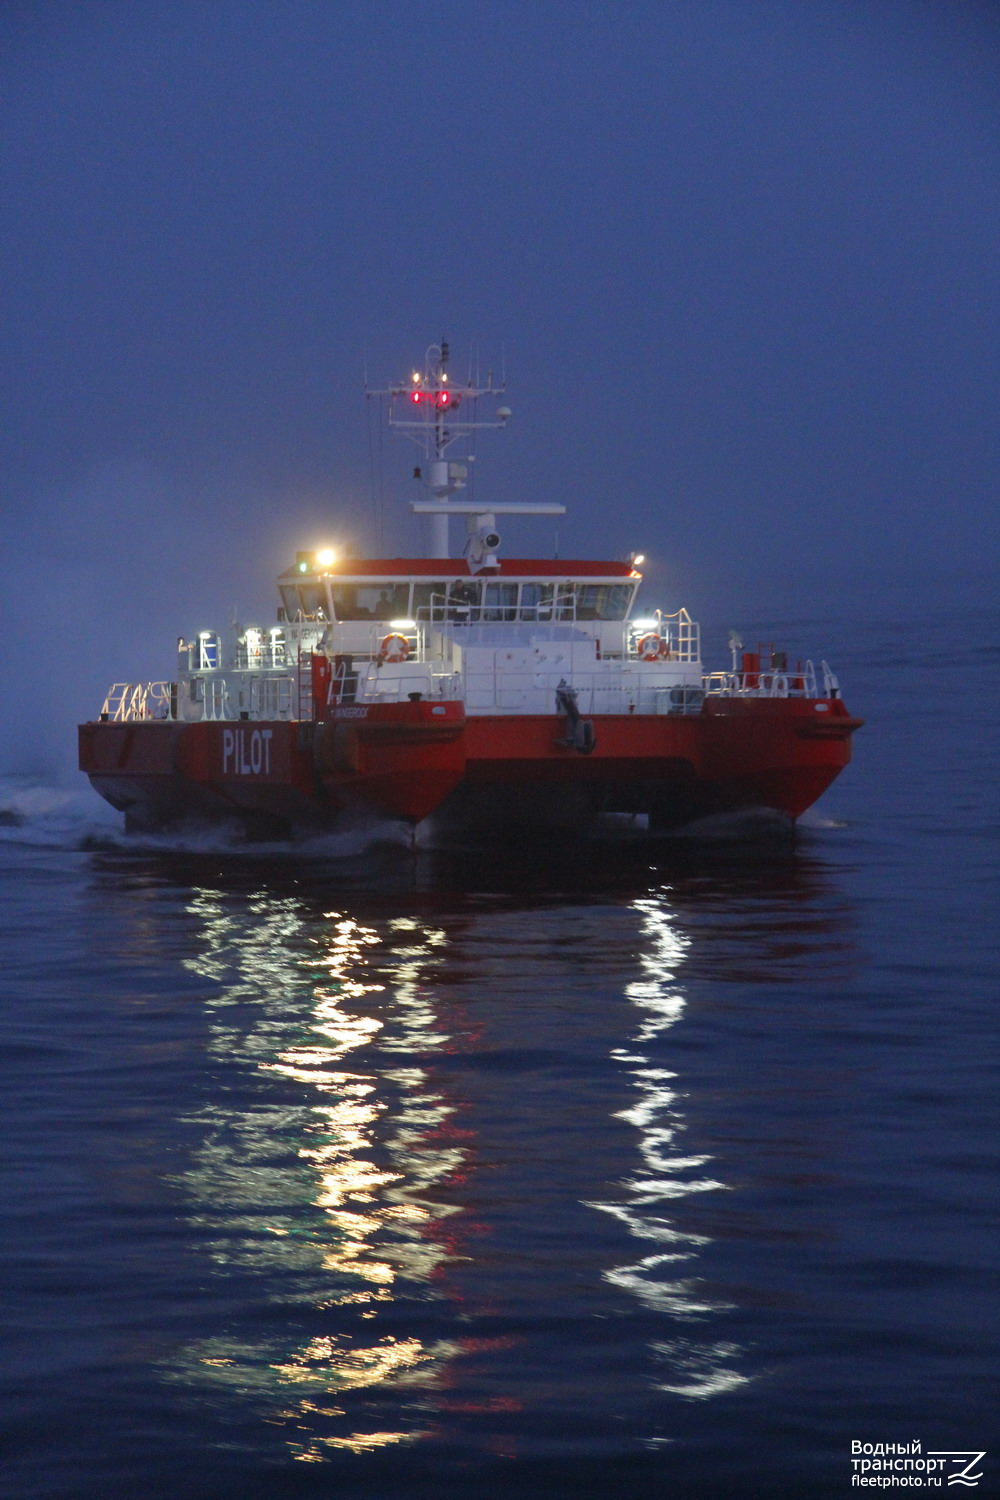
column 58, row 817
column 33, row 812
column 813, row 819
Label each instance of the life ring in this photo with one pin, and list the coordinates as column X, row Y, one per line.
column 394, row 653
column 652, row 648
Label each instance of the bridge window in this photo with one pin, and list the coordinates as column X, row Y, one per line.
column 536, row 601
column 500, row 601
column 371, row 601
column 430, row 599
column 602, row 601
column 312, row 599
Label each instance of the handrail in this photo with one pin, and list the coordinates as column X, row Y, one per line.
column 561, row 609
column 679, row 635
column 127, row 702
column 617, row 687
column 797, row 683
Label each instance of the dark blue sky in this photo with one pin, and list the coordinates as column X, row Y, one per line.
column 741, row 259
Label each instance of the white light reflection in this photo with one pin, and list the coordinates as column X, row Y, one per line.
column 667, row 1173
column 317, row 1165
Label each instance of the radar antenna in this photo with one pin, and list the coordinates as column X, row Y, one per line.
column 434, row 411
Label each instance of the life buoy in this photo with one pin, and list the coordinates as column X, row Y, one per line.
column 394, row 648
column 652, row 648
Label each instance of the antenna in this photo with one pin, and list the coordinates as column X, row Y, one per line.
column 434, row 411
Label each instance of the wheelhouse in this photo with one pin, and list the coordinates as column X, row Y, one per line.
column 428, row 591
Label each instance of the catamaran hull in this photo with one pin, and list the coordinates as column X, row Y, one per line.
column 498, row 773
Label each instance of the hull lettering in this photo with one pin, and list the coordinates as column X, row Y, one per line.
column 246, row 752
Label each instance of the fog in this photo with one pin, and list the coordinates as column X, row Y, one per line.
column 737, row 261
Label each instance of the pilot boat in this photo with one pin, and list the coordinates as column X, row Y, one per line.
column 488, row 693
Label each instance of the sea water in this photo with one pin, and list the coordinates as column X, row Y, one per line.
column 638, row 1169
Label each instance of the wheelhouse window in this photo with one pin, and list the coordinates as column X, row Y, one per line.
column 376, row 601
column 536, row 601
column 430, row 600
column 602, row 601
column 464, row 596
column 500, row 601
column 313, row 601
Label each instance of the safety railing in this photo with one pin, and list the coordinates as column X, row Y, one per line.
column 617, row 687
column 266, row 657
column 269, row 697
column 381, row 683
column 673, row 637
column 216, row 701
column 562, row 607
column 128, row 702
column 799, row 682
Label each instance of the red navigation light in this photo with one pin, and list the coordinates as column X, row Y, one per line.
column 439, row 399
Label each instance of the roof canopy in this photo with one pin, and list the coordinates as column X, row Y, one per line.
column 457, row 567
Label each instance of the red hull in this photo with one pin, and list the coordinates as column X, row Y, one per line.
column 408, row 760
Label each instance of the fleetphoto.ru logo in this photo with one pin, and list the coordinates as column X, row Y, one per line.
column 905, row 1466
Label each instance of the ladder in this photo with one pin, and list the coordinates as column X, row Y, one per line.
column 305, row 685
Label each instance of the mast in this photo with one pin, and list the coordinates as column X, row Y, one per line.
column 434, row 411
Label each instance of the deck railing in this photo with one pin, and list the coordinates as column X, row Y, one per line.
column 619, row 687
column 678, row 634
column 800, row 683
column 129, row 701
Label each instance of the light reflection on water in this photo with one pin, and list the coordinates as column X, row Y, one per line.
column 666, row 1173
column 329, row 1194
column 340, row 1168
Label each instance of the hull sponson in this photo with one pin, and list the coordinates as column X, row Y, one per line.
column 736, row 753
column 408, row 760
column 398, row 760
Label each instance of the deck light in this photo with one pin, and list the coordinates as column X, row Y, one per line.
column 403, row 624
column 638, row 559
column 326, row 557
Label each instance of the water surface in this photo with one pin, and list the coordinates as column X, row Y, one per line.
column 647, row 1169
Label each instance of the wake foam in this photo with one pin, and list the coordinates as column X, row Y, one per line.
column 56, row 817
column 41, row 816
column 813, row 819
